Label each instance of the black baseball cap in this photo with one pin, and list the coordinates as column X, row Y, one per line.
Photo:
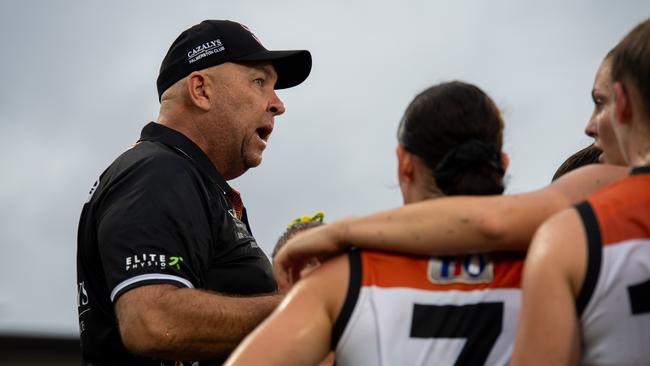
column 213, row 42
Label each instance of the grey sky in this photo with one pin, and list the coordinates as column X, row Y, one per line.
column 78, row 84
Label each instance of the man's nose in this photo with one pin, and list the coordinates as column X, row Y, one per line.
column 590, row 129
column 276, row 106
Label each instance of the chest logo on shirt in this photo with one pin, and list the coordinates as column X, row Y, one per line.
column 468, row 269
column 241, row 232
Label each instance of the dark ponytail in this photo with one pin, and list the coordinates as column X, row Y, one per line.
column 458, row 131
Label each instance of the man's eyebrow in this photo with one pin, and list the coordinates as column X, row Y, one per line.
column 267, row 69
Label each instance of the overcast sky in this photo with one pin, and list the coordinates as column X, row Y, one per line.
column 78, row 84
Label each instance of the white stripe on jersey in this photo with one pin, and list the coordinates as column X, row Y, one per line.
column 148, row 277
column 611, row 334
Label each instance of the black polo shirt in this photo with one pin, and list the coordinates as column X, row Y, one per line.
column 159, row 214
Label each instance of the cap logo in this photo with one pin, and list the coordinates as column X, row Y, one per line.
column 204, row 50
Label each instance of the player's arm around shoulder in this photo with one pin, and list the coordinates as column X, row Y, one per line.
column 577, row 185
column 508, row 222
column 168, row 322
column 299, row 331
column 548, row 331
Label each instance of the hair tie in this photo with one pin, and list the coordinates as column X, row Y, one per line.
column 464, row 159
column 469, row 154
column 318, row 217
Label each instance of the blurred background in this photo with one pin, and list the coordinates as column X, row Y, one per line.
column 78, row 84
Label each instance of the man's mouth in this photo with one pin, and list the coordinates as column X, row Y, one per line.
column 264, row 133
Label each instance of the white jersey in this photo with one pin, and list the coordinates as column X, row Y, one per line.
column 406, row 310
column 614, row 302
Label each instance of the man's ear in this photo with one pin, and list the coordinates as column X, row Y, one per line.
column 505, row 159
column 623, row 105
column 405, row 166
column 199, row 91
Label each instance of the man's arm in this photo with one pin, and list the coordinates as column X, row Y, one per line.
column 548, row 331
column 448, row 225
column 299, row 331
column 167, row 322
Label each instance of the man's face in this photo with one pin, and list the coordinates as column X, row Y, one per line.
column 600, row 124
column 245, row 107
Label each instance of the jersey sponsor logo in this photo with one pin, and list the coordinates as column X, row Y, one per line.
column 204, row 50
column 174, row 262
column 146, row 260
column 92, row 191
column 152, row 260
column 468, row 269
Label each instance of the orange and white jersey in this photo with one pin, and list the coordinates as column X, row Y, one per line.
column 614, row 302
column 408, row 310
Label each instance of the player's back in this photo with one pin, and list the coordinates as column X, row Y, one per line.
column 408, row 310
column 614, row 302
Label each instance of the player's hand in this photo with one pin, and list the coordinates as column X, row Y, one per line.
column 317, row 244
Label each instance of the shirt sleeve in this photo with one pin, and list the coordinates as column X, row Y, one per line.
column 153, row 226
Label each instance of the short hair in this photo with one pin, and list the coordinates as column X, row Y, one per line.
column 631, row 61
column 457, row 130
column 292, row 230
column 586, row 156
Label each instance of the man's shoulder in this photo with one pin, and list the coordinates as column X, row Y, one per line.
column 149, row 168
column 150, row 157
column 151, row 152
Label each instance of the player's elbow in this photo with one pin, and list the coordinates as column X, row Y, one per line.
column 497, row 229
column 146, row 335
column 145, row 326
column 512, row 222
column 493, row 228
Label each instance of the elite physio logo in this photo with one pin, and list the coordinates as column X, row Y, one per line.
column 204, row 50
column 174, row 262
column 152, row 260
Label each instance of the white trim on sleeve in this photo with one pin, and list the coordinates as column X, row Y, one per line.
column 150, row 276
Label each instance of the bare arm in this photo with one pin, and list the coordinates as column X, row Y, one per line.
column 168, row 322
column 299, row 331
column 548, row 331
column 462, row 224
column 450, row 225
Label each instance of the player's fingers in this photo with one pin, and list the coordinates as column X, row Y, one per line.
column 280, row 265
column 295, row 274
column 281, row 278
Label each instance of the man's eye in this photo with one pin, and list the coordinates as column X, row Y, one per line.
column 259, row 82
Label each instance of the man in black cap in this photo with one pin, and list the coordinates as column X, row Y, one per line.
column 168, row 270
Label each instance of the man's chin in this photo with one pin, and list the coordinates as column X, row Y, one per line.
column 253, row 162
